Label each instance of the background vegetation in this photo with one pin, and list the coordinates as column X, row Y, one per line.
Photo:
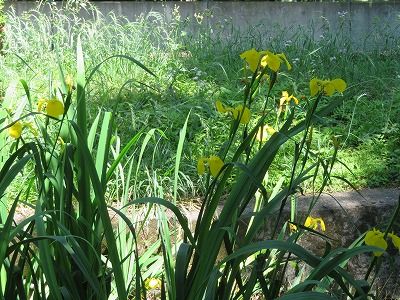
column 196, row 67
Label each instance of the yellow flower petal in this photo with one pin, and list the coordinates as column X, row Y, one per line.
column 252, row 57
column 264, row 131
column 244, row 114
column 371, row 235
column 314, row 223
column 54, row 108
column 261, row 134
column 15, row 130
column 271, row 60
column 329, row 88
column 339, row 84
column 309, row 222
column 395, row 240
column 292, row 227
column 236, row 112
column 283, row 56
column 284, row 98
column 375, row 238
column 69, row 81
column 215, row 164
column 220, row 107
column 201, row 166
column 41, row 103
column 314, row 86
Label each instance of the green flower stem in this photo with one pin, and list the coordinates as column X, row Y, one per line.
column 296, row 158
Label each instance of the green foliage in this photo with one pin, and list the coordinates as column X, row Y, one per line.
column 194, row 70
column 71, row 215
column 2, row 14
column 135, row 158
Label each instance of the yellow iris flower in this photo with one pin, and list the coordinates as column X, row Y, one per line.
column 328, row 87
column 265, row 59
column 239, row 111
column 285, row 100
column 315, row 223
column 375, row 238
column 52, row 107
column 273, row 61
column 15, row 130
column 214, row 163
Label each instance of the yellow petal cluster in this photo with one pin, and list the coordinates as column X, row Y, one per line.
column 328, row 87
column 273, row 61
column 265, row 58
column 375, row 238
column 286, row 98
column 15, row 130
column 52, row 107
column 315, row 223
column 214, row 163
column 240, row 112
column 152, row 283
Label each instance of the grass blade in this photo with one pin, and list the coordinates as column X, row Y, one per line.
column 182, row 135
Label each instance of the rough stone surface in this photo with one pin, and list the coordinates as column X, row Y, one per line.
column 347, row 216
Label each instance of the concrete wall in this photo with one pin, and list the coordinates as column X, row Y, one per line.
column 363, row 22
